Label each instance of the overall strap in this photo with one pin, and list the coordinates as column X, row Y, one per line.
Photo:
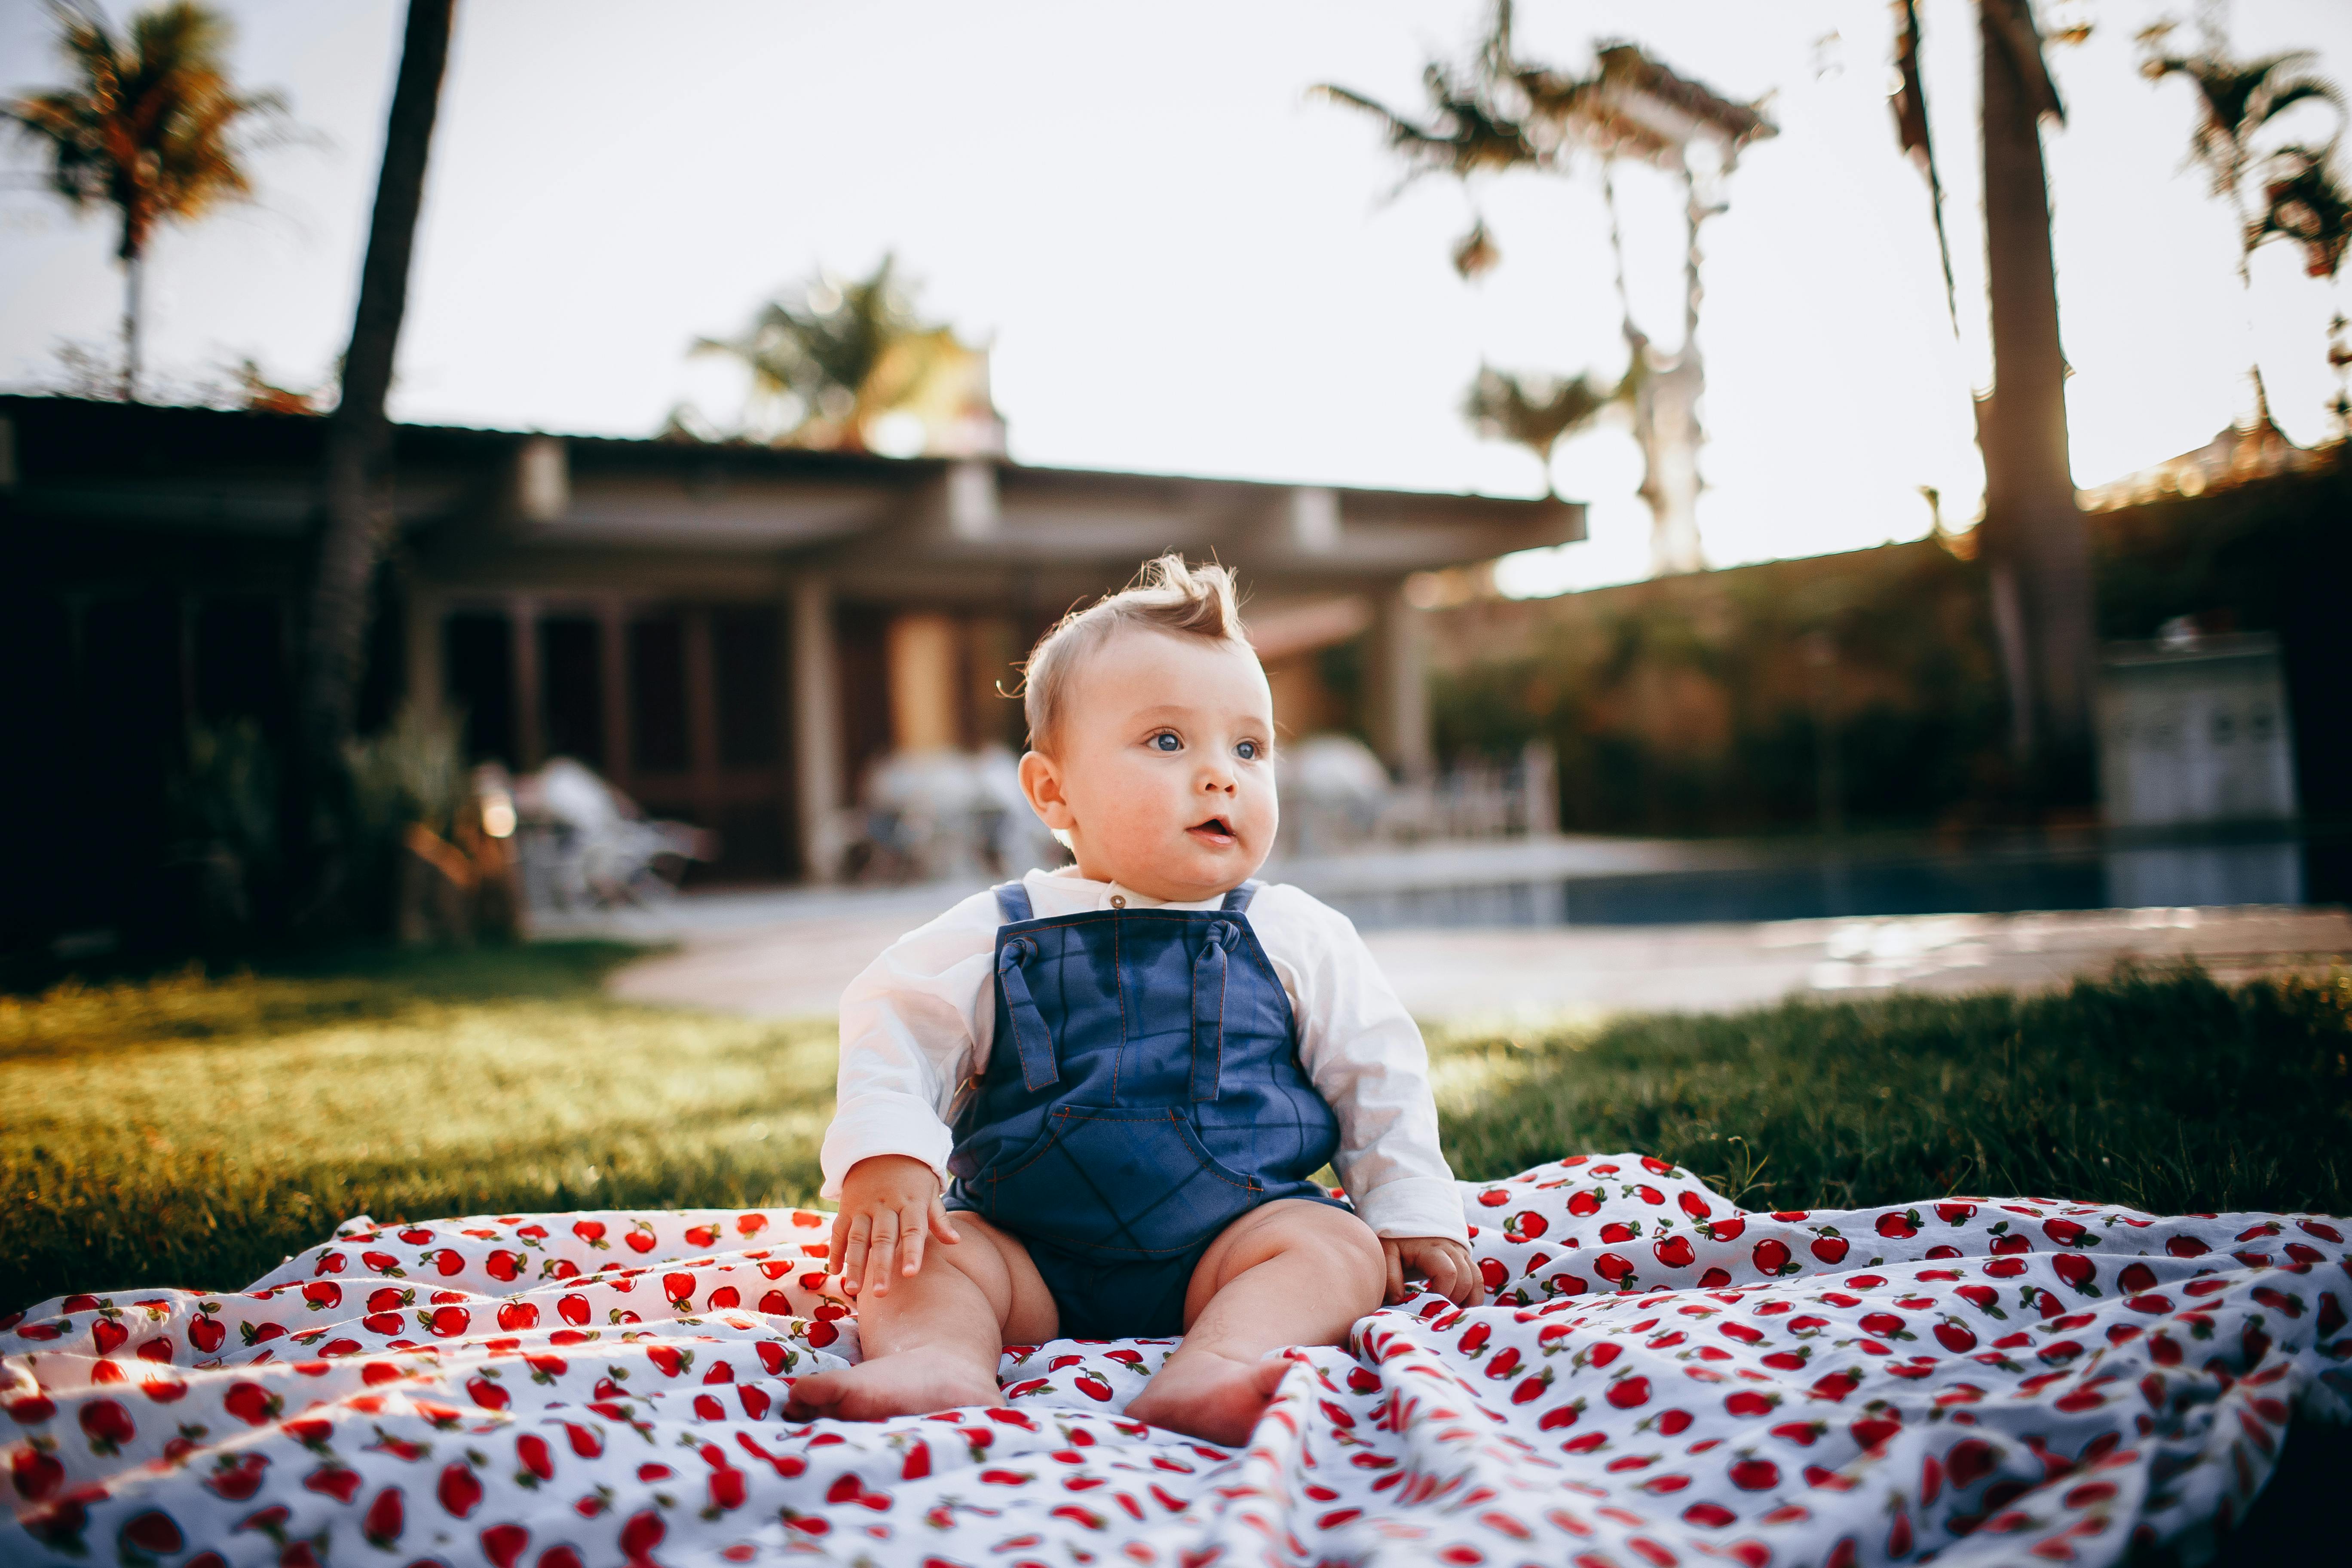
column 1030, row 1038
column 1209, row 970
column 1238, row 900
column 1013, row 902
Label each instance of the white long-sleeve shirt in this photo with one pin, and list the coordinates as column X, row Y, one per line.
column 920, row 1021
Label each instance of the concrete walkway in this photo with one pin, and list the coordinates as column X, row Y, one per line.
column 789, row 954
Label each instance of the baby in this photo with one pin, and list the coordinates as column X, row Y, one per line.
column 1118, row 1078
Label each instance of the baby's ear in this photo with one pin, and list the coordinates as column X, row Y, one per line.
column 1041, row 781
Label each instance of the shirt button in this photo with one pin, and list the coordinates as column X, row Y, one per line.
column 1118, row 900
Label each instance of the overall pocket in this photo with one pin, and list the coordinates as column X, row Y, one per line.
column 1128, row 1181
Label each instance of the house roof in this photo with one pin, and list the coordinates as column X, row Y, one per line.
column 508, row 502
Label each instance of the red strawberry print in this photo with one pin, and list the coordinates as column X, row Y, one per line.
column 107, row 1424
column 336, row 1481
column 251, row 1404
column 236, row 1478
column 1586, row 1204
column 1752, row 1474
column 502, row 1544
column 460, row 1490
column 36, row 1473
column 1830, row 1247
column 1674, row 1252
column 1899, row 1227
column 1772, row 1257
column 155, row 1532
column 1627, row 1393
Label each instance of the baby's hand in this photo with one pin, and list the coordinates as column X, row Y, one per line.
column 888, row 1204
column 1445, row 1264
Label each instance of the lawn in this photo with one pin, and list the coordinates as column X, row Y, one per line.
column 195, row 1131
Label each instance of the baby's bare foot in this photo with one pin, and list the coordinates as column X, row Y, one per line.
column 1213, row 1397
column 910, row 1383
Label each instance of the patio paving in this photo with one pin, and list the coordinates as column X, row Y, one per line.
column 790, row 953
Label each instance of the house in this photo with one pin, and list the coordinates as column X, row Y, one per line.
column 730, row 632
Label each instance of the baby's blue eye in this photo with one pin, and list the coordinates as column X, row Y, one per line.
column 1247, row 751
column 1167, row 743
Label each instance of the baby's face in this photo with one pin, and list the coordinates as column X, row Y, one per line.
column 1162, row 775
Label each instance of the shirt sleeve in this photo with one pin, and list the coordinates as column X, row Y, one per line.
column 1365, row 1057
column 909, row 1026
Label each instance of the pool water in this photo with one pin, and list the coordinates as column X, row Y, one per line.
column 1821, row 885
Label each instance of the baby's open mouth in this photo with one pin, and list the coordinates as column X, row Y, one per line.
column 1216, row 830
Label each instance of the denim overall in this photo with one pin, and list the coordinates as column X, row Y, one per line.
column 1144, row 1092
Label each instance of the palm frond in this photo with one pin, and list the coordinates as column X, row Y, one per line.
column 1537, row 412
column 2307, row 204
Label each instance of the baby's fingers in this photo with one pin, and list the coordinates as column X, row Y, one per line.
column 941, row 1226
column 853, row 1254
column 911, row 1238
column 1465, row 1287
column 840, row 1242
column 884, row 1253
column 1391, row 1255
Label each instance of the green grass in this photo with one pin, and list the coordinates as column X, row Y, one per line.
column 2157, row 1088
column 193, row 1130
column 186, row 1131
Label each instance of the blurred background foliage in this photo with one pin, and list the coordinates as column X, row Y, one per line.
column 1686, row 705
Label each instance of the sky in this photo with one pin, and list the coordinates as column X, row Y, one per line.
column 1185, row 264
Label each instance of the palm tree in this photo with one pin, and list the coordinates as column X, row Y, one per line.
column 2237, row 102
column 1537, row 412
column 838, row 372
column 2033, row 539
column 152, row 127
column 1503, row 113
column 356, row 522
column 2036, row 555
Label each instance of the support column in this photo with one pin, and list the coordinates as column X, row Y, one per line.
column 817, row 740
column 529, row 708
column 921, row 650
column 613, row 669
column 1396, row 686
column 427, row 682
column 703, row 716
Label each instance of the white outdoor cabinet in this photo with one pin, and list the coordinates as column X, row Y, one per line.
column 2194, row 731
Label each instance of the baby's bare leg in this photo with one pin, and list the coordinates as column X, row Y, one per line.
column 1292, row 1273
column 933, row 1340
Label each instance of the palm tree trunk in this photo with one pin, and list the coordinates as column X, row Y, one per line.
column 357, row 521
column 133, row 267
column 2034, row 533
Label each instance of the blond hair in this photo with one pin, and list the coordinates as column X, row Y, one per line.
column 1166, row 595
